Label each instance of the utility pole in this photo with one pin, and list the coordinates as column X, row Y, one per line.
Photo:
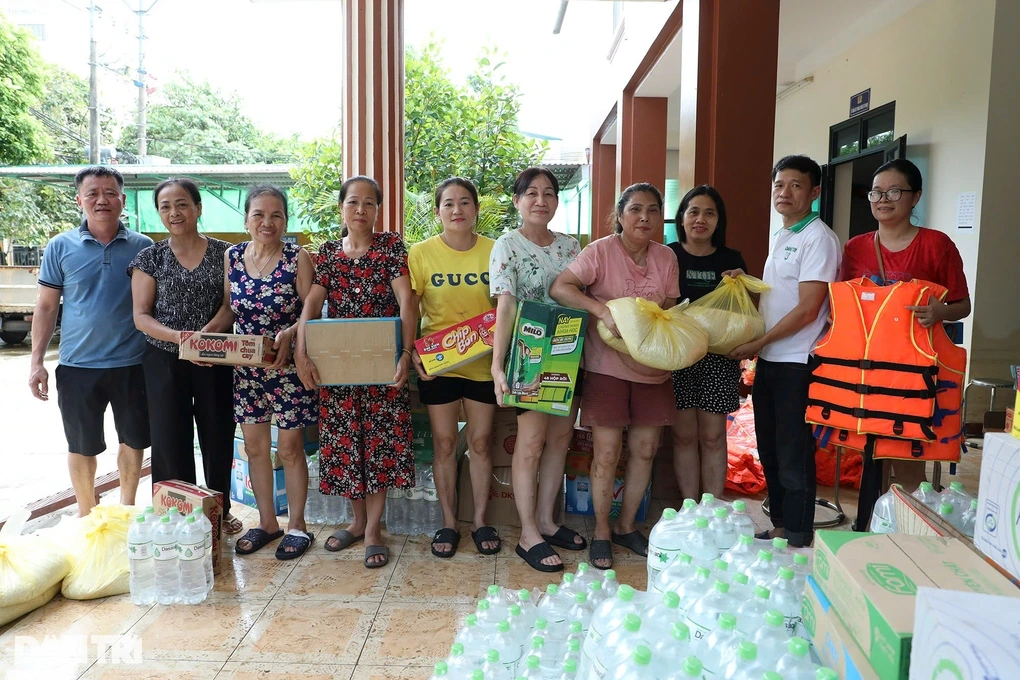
column 93, row 88
column 141, row 12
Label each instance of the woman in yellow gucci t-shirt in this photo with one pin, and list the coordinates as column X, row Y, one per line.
column 450, row 277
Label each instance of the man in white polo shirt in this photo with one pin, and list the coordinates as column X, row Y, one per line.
column 803, row 259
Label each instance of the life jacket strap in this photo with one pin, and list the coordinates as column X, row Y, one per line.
column 857, row 388
column 898, row 419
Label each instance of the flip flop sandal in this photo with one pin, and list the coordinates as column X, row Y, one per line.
column 600, row 549
column 258, row 538
column 763, row 536
column 373, row 550
column 344, row 538
column 232, row 525
column 446, row 535
column 536, row 554
column 486, row 535
column 564, row 538
column 634, row 541
column 294, row 539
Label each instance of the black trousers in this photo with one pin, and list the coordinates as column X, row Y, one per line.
column 871, row 490
column 182, row 395
column 786, row 447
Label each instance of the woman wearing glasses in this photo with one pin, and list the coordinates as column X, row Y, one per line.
column 907, row 252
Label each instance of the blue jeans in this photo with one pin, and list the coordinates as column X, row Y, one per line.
column 786, row 447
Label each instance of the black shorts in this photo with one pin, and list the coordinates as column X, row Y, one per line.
column 443, row 390
column 83, row 395
column 712, row 385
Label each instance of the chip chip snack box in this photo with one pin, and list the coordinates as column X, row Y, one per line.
column 227, row 348
column 354, row 351
column 461, row 343
column 186, row 497
column 544, row 357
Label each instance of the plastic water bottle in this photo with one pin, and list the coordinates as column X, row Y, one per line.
column 957, row 497
column 609, row 583
column 637, row 667
column 707, row 506
column 414, row 500
column 700, row 543
column 610, row 615
column 577, row 632
column 669, row 579
column 665, row 542
column 520, row 628
column 763, row 571
column 547, row 658
column 573, row 650
column 720, row 570
column 669, row 652
column 533, row 669
column 751, row 614
column 486, row 618
column 493, row 667
column 619, row 645
column 742, row 554
column 947, row 512
column 583, row 576
column 459, row 666
column 314, row 510
column 796, row 664
column 691, row 670
column 470, row 635
column 781, row 554
column 151, row 517
column 741, row 521
column 688, row 511
column 439, row 671
column 207, row 560
column 719, row 647
column 703, row 614
column 723, row 532
column 969, row 519
column 396, row 523
column 927, row 494
column 772, row 639
column 596, row 596
column 175, row 517
column 529, row 610
column 745, row 664
column 823, row 673
column 580, row 611
column 498, row 607
column 433, row 510
column 569, row 670
column 740, row 588
column 883, row 517
column 658, row 619
column 142, row 579
column 164, row 553
column 787, row 598
column 801, row 570
column 554, row 606
column 693, row 589
column 191, row 542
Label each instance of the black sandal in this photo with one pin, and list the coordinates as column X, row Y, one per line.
column 445, row 535
column 600, row 549
column 484, row 535
column 258, row 538
column 294, row 540
column 564, row 538
column 536, row 554
column 634, row 541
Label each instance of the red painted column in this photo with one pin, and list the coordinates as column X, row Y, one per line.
column 728, row 112
column 603, row 187
column 643, row 137
column 373, row 126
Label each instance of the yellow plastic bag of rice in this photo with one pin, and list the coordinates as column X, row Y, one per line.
column 728, row 314
column 660, row 338
column 100, row 559
column 31, row 568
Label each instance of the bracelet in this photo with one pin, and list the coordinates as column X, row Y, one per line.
column 406, row 351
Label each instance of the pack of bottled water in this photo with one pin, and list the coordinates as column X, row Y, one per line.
column 170, row 557
column 699, row 622
column 416, row 510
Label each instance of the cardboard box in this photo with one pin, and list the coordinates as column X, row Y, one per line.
column 502, row 509
column 998, row 516
column 504, row 437
column 544, row 357
column 582, row 450
column 578, row 497
column 242, row 453
column 831, row 640
column 186, row 497
column 460, row 344
column 227, row 348
column 964, row 635
column 240, row 483
column 354, row 351
column 310, row 437
column 872, row 579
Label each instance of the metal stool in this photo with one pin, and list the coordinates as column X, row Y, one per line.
column 992, row 384
column 834, row 505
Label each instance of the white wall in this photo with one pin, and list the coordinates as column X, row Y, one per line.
column 935, row 62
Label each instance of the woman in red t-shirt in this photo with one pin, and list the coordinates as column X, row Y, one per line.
column 908, row 252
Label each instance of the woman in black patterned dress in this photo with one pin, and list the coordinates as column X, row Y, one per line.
column 364, row 430
column 177, row 285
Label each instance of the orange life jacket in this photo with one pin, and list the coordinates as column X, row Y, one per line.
column 947, row 417
column 877, row 367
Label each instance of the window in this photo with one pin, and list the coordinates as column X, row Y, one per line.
column 860, row 134
column 878, row 130
column 617, row 15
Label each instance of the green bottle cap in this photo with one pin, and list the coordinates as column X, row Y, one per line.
column 541, row 624
column 574, row 645
column 483, row 605
column 786, row 573
column 740, row 579
column 702, row 572
column 680, row 631
column 772, row 675
column 610, row 575
column 926, row 486
column 945, row 509
column 722, row 587
column 690, row 504
column 570, row 666
column 632, row 623
column 748, row 651
column 824, row 673
column 493, row 590
column 580, row 598
column 692, row 667
column 956, row 486
column 707, row 498
column 739, row 506
column 721, row 565
column 492, row 655
column 800, row 559
column 503, row 626
column 190, row 519
column 973, row 504
column 721, row 513
column 701, row 522
column 166, row 519
column 439, row 669
column 537, row 642
column 148, row 509
column 669, row 513
column 552, row 589
column 576, row 627
column 478, row 673
column 798, row 646
column 471, row 620
column 745, row 539
column 727, row 622
column 595, row 585
column 671, row 600
column 582, row 568
column 762, row 592
column 533, row 662
column 780, row 544
column 568, row 578
column 774, row 618
column 524, row 595
column 515, row 610
column 765, row 555
column 642, row 655
column 625, row 593
column 140, row 519
column 457, row 649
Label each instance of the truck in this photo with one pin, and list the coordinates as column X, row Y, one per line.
column 18, row 291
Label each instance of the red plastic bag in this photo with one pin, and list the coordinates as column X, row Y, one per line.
column 851, row 467
column 744, row 473
column 747, row 370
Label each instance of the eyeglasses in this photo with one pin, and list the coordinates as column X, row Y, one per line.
column 893, row 195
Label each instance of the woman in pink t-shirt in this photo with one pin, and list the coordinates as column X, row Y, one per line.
column 619, row 392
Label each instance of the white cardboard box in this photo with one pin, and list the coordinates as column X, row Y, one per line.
column 998, row 520
column 968, row 636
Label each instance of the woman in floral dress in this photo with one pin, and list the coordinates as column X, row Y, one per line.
column 364, row 430
column 266, row 281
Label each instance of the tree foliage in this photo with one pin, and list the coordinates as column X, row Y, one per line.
column 30, row 213
column 21, row 76
column 193, row 122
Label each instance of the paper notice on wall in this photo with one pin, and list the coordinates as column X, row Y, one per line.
column 966, row 211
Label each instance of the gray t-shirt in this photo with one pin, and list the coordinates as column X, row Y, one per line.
column 526, row 270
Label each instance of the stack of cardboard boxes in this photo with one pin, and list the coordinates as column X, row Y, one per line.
column 578, row 473
column 240, row 479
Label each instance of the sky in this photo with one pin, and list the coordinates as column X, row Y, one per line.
column 284, row 56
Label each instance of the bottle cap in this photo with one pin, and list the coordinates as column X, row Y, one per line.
column 483, row 605
column 798, row 646
column 721, row 565
column 780, row 544
column 956, row 486
column 680, row 631
column 671, row 600
column 492, row 655
column 701, row 522
column 721, row 513
column 148, row 509
column 669, row 513
column 574, row 645
column 745, row 539
column 610, row 575
column 166, row 519
column 493, row 590
column 800, row 559
column 552, row 589
column 740, row 579
column 478, row 673
column 945, row 509
column 537, row 642
column 439, row 668
column 722, row 587
column 174, row 511
column 973, row 504
column 471, row 620
column 774, row 618
column 692, row 667
column 926, row 486
column 457, row 649
column 642, row 655
column 533, row 662
column 524, row 595
column 765, row 555
column 786, row 573
column 772, row 675
column 568, row 578
column 503, row 626
column 576, row 627
column 707, row 498
column 690, row 504
column 632, row 623
column 824, row 673
column 515, row 610
column 190, row 519
column 748, row 651
column 625, row 593
column 541, row 624
column 702, row 572
column 570, row 666
column 762, row 592
column 727, row 622
column 582, row 568
column 739, row 506
column 140, row 519
column 595, row 586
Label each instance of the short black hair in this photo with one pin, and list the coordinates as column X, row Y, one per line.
column 188, row 185
column 800, row 164
column 264, row 190
column 351, row 181
column 719, row 235
column 905, row 168
column 621, row 204
column 528, row 176
column 462, row 182
column 98, row 171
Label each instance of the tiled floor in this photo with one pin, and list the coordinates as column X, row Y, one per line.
column 322, row 616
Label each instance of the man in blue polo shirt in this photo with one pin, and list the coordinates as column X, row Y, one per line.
column 100, row 348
